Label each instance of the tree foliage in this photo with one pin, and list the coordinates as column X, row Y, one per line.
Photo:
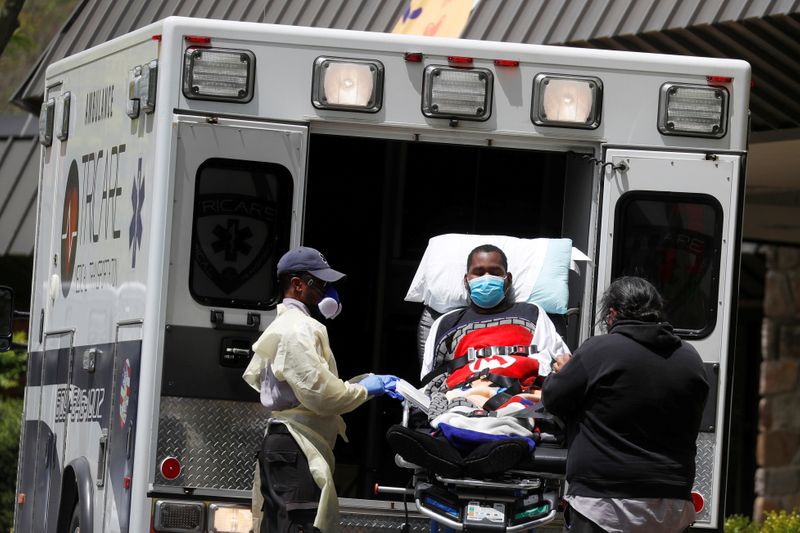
column 9, row 20
column 39, row 21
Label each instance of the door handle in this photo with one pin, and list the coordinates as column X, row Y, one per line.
column 101, row 459
column 218, row 320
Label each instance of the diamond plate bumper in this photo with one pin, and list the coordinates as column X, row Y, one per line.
column 704, row 475
column 216, row 442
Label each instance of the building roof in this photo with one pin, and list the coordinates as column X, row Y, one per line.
column 766, row 33
column 19, row 170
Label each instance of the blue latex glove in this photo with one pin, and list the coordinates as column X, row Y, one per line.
column 374, row 385
column 378, row 384
column 390, row 386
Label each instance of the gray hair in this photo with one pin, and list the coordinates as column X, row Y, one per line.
column 633, row 298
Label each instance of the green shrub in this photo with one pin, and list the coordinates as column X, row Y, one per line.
column 10, row 417
column 12, row 372
column 12, row 367
column 781, row 522
column 740, row 524
column 774, row 522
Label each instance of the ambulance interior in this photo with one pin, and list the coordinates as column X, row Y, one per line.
column 372, row 205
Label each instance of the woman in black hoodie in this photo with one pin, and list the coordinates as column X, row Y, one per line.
column 633, row 401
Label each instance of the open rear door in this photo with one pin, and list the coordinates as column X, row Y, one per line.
column 672, row 218
column 239, row 191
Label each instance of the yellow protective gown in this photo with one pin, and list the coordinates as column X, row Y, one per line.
column 297, row 348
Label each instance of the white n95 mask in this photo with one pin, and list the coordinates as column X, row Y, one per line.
column 330, row 306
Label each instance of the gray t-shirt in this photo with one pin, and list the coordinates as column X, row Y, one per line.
column 631, row 515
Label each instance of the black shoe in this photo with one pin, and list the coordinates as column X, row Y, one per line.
column 495, row 457
column 425, row 451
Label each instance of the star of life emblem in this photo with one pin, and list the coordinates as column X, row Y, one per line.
column 234, row 232
column 136, row 228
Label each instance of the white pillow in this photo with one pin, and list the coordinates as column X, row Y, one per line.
column 439, row 281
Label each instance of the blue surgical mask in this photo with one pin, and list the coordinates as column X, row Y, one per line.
column 487, row 291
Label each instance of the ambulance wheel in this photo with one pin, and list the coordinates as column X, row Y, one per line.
column 75, row 522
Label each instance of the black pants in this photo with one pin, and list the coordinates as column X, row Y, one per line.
column 291, row 496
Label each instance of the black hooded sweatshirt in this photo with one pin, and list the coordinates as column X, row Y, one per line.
column 633, row 401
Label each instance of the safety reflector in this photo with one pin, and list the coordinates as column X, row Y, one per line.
column 457, row 93
column 229, row 519
column 175, row 516
column 170, row 468
column 693, row 110
column 566, row 101
column 348, row 84
column 698, row 501
column 218, row 74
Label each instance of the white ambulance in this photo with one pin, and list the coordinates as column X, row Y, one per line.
column 179, row 161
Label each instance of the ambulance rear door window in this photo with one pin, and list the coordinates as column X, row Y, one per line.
column 674, row 241
column 241, row 226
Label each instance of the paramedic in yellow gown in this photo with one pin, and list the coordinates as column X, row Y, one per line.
column 294, row 370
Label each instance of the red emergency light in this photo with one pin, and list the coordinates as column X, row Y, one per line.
column 716, row 80
column 506, row 62
column 197, row 39
column 460, row 60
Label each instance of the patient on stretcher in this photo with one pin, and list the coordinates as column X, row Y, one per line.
column 482, row 367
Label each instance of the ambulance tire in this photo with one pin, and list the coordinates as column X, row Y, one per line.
column 75, row 522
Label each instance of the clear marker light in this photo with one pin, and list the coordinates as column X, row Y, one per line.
column 457, row 93
column 218, row 74
column 693, row 110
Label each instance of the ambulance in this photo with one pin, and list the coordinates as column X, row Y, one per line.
column 179, row 161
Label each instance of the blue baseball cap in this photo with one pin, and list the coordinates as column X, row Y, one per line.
column 305, row 259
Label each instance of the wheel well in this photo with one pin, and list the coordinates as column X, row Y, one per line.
column 69, row 499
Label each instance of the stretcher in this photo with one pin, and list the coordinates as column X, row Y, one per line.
column 507, row 485
column 495, row 489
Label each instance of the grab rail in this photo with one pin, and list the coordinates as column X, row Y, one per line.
column 458, row 526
